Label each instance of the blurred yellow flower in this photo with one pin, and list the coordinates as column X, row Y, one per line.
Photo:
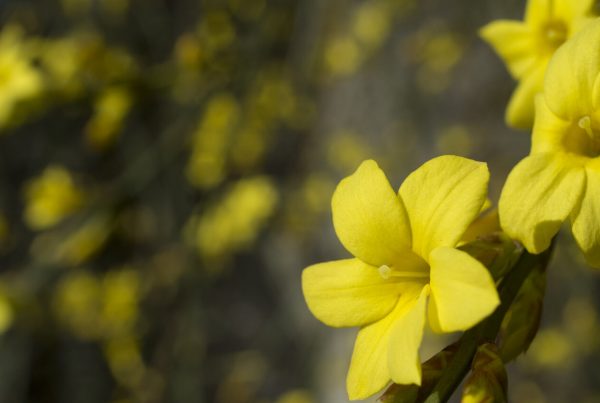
column 404, row 248
column 73, row 245
column 60, row 59
column 343, row 55
column 347, row 149
column 83, row 243
column 207, row 165
column 125, row 360
column 51, row 197
column 561, row 176
column 526, row 47
column 110, row 109
column 552, row 348
column 82, row 61
column 77, row 302
column 438, row 53
column 372, row 22
column 454, row 139
column 93, row 308
column 19, row 80
column 121, row 292
column 296, row 396
column 235, row 221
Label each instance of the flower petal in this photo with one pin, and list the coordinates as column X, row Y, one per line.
column 586, row 220
column 369, row 371
column 369, row 218
column 539, row 194
column 571, row 75
column 462, row 291
column 521, row 108
column 346, row 293
column 538, row 12
column 572, row 9
column 514, row 42
column 403, row 359
column 442, row 199
column 550, row 131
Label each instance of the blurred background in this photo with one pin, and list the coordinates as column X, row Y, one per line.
column 166, row 170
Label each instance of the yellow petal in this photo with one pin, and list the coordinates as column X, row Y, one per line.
column 521, row 108
column 442, row 198
column 462, row 291
column 549, row 131
column 538, row 12
column 405, row 340
column 586, row 220
column 539, row 194
column 579, row 23
column 369, row 371
column 348, row 293
column 572, row 9
column 514, row 42
column 572, row 73
column 369, row 218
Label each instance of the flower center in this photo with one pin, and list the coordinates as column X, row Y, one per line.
column 555, row 33
column 387, row 272
column 583, row 138
column 586, row 124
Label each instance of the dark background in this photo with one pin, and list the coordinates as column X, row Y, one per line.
column 166, row 169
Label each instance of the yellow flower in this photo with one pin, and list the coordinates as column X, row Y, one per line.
column 526, row 47
column 110, row 110
column 20, row 81
column 561, row 176
column 51, row 197
column 404, row 255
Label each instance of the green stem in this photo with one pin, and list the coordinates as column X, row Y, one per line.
column 486, row 330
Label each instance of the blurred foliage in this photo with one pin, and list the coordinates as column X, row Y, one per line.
column 167, row 169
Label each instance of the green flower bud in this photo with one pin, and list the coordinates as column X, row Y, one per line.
column 521, row 323
column 488, row 380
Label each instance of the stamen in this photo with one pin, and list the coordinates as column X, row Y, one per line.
column 555, row 32
column 586, row 124
column 385, row 271
column 555, row 36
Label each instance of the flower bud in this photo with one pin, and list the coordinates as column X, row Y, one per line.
column 521, row 323
column 488, row 380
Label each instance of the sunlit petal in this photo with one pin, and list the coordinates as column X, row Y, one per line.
column 539, row 194
column 369, row 371
column 572, row 9
column 514, row 42
column 442, row 199
column 549, row 130
column 348, row 292
column 369, row 218
column 520, row 111
column 586, row 220
column 538, row 11
column 462, row 291
column 572, row 73
column 405, row 340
